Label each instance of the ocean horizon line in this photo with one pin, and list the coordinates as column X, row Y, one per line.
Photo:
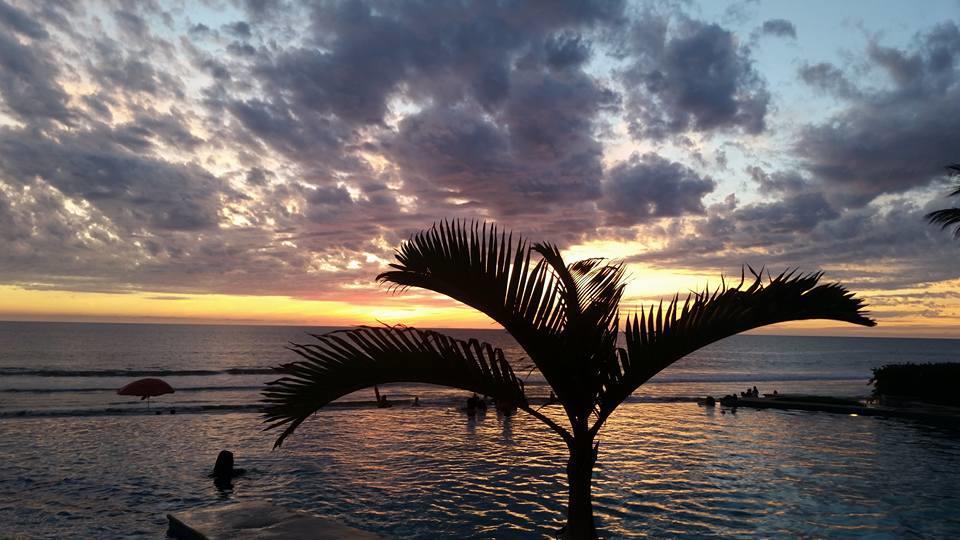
column 493, row 328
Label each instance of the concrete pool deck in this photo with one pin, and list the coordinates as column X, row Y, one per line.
column 915, row 411
column 257, row 519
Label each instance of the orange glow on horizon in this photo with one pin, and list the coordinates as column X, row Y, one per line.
column 24, row 304
column 897, row 313
column 417, row 310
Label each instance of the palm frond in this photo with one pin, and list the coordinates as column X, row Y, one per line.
column 490, row 270
column 595, row 280
column 345, row 361
column 483, row 267
column 946, row 218
column 954, row 171
column 593, row 336
column 592, row 290
column 551, row 254
column 657, row 338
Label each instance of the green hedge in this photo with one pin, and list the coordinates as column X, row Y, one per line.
column 934, row 383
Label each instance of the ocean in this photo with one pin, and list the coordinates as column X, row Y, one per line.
column 80, row 461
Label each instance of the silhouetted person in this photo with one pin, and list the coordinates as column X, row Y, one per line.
column 756, row 393
column 223, row 471
column 472, row 404
column 475, row 405
column 506, row 408
column 381, row 399
column 416, row 401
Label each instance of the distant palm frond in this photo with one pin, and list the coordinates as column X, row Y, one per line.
column 592, row 337
column 598, row 282
column 345, row 361
column 954, row 171
column 657, row 338
column 592, row 290
column 946, row 218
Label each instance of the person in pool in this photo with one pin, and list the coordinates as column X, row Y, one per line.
column 223, row 471
column 475, row 405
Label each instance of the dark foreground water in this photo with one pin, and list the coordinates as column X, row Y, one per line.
column 76, row 463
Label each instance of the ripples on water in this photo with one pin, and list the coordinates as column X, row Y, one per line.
column 73, row 467
column 665, row 470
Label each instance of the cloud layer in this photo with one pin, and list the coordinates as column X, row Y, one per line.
column 281, row 148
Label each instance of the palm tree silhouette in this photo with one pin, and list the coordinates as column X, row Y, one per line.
column 565, row 317
column 948, row 217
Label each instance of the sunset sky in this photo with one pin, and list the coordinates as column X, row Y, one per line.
column 258, row 161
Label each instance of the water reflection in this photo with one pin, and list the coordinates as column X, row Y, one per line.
column 506, row 424
column 665, row 470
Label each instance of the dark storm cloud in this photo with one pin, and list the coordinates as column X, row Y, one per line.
column 691, row 75
column 352, row 89
column 99, row 106
column 876, row 247
column 199, row 30
column 131, row 189
column 538, row 150
column 150, row 127
column 647, row 187
column 131, row 24
column 779, row 27
column 130, row 70
column 829, row 79
column 894, row 139
column 256, row 176
column 326, row 203
column 308, row 137
column 285, row 151
column 448, row 52
column 457, row 151
column 508, row 77
column 18, row 21
column 259, row 9
column 237, row 48
column 28, row 82
column 794, row 213
column 239, row 29
column 778, row 182
column 510, row 117
column 566, row 50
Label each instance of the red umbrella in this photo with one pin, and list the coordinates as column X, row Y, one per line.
column 145, row 388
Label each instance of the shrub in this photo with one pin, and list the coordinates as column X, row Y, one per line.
column 934, row 383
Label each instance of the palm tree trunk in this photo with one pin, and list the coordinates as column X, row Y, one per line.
column 583, row 455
